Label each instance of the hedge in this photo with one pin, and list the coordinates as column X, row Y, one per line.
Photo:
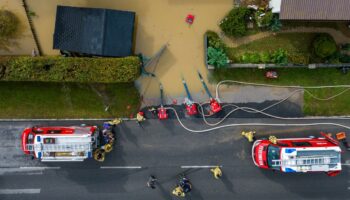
column 63, row 69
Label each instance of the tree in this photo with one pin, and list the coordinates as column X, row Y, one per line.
column 234, row 24
column 275, row 24
column 324, row 46
column 9, row 24
column 217, row 57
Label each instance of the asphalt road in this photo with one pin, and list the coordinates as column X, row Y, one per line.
column 166, row 150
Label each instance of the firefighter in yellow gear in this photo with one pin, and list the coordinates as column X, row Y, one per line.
column 140, row 116
column 178, row 191
column 273, row 139
column 216, row 172
column 249, row 135
column 99, row 155
column 115, row 121
column 108, row 147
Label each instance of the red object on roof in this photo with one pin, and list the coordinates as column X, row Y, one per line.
column 189, row 19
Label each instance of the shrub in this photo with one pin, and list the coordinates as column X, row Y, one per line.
column 299, row 59
column 324, row 46
column 217, row 57
column 345, row 47
column 234, row 24
column 279, row 57
column 275, row 24
column 345, row 58
column 214, row 40
column 250, row 58
column 61, row 69
column 265, row 57
column 9, row 24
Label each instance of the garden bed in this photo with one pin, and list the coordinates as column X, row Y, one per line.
column 302, row 77
column 68, row 100
column 297, row 46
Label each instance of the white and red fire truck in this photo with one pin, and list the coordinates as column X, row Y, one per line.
column 57, row 143
column 299, row 155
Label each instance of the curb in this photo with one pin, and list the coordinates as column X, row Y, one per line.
column 346, row 117
column 80, row 119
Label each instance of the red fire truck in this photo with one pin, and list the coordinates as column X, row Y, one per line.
column 57, row 143
column 298, row 155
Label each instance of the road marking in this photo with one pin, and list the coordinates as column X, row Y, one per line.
column 204, row 166
column 19, row 191
column 345, row 164
column 35, row 173
column 121, row 167
column 39, row 168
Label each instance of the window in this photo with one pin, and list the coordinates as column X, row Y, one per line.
column 301, row 144
column 273, row 153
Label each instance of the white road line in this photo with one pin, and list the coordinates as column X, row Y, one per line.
column 121, row 167
column 39, row 168
column 345, row 164
column 20, row 191
column 204, row 166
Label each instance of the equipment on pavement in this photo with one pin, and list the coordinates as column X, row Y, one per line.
column 298, row 154
column 191, row 107
column 216, row 172
column 183, row 187
column 249, row 135
column 162, row 112
column 342, row 138
column 215, row 106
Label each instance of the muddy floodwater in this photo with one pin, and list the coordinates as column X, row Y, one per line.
column 159, row 22
column 24, row 44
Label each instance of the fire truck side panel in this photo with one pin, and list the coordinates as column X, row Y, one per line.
column 298, row 155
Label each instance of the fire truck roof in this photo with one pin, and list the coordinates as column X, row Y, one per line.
column 310, row 159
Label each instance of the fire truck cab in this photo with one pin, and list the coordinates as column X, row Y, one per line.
column 73, row 143
column 298, row 155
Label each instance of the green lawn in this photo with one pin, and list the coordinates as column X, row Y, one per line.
column 58, row 100
column 293, row 43
column 341, row 26
column 302, row 77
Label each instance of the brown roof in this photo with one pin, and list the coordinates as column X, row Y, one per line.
column 315, row 10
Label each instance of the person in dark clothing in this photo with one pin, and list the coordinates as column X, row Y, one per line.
column 152, row 182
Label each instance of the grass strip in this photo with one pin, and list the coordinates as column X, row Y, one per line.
column 67, row 100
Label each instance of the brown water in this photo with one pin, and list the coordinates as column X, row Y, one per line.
column 159, row 22
column 25, row 42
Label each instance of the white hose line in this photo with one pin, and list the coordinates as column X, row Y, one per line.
column 250, row 124
column 276, row 86
column 253, row 110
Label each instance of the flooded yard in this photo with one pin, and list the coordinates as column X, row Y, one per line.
column 24, row 44
column 159, row 22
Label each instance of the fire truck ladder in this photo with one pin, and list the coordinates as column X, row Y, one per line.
column 328, row 160
column 75, row 147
